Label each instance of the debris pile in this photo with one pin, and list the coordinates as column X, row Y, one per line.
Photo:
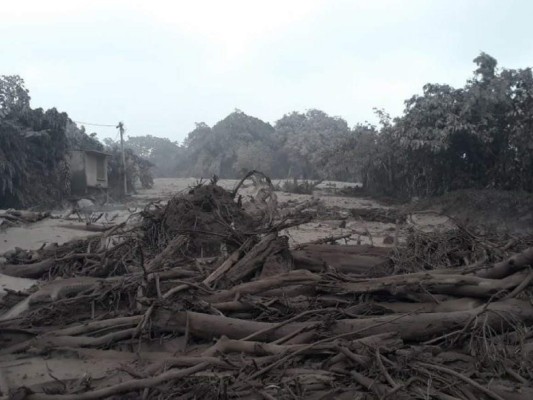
column 207, row 215
column 204, row 301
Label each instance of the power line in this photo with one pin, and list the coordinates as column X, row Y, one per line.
column 90, row 124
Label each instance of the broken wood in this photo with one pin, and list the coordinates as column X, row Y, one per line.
column 254, row 259
column 126, row 310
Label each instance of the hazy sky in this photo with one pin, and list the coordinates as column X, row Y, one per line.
column 161, row 66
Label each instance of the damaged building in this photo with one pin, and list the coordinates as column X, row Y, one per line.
column 88, row 171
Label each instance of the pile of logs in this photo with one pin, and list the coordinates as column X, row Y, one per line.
column 320, row 321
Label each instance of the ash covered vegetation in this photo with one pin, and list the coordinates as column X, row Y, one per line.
column 477, row 136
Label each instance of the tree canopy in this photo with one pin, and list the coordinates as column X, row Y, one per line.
column 476, row 136
column 163, row 153
column 447, row 138
column 33, row 145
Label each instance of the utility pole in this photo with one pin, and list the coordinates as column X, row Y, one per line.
column 121, row 129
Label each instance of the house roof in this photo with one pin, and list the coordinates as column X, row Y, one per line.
column 95, row 152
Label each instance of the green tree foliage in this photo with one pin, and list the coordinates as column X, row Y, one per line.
column 477, row 136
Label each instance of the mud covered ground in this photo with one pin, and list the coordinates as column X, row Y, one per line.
column 199, row 292
column 33, row 236
column 370, row 231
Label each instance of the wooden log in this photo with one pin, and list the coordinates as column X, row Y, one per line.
column 408, row 326
column 361, row 249
column 173, row 249
column 217, row 274
column 429, row 325
column 278, row 262
column 459, row 285
column 297, row 277
column 445, row 306
column 35, row 270
column 225, row 345
column 346, row 259
column 507, row 267
column 253, row 260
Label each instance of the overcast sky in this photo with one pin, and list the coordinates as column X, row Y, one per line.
column 161, row 66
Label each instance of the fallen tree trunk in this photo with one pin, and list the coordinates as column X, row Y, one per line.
column 457, row 285
column 507, row 267
column 462, row 304
column 254, row 259
column 346, row 259
column 426, row 326
column 219, row 273
column 355, row 249
column 297, row 277
column 171, row 251
column 225, row 345
column 408, row 326
column 35, row 270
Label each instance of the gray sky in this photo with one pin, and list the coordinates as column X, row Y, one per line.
column 161, row 66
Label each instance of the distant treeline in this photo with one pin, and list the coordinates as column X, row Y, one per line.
column 478, row 136
column 302, row 145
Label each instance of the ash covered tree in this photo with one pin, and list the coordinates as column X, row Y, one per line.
column 163, row 153
column 236, row 143
column 308, row 140
column 477, row 136
column 33, row 149
column 14, row 97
